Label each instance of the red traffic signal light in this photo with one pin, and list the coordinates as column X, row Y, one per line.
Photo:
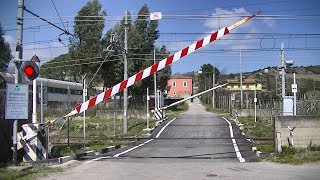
column 30, row 70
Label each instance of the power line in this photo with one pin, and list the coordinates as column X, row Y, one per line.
column 150, row 59
column 238, row 5
column 64, row 30
column 58, row 14
column 74, row 60
column 90, row 63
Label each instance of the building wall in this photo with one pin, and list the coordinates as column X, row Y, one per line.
column 182, row 88
column 307, row 130
column 245, row 87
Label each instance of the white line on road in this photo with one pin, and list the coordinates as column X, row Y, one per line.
column 236, row 148
column 135, row 147
column 119, row 154
column 96, row 159
column 164, row 127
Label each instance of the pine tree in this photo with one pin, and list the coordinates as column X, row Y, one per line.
column 86, row 42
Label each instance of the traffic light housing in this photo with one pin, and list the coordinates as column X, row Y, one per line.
column 29, row 70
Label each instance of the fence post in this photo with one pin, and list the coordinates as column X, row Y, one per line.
column 278, row 142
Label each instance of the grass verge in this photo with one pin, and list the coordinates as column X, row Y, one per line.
column 297, row 155
column 222, row 112
column 96, row 127
column 101, row 127
column 175, row 110
column 29, row 174
column 262, row 128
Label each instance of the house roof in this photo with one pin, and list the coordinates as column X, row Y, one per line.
column 180, row 77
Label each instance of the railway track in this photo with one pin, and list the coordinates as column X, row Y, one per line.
column 78, row 140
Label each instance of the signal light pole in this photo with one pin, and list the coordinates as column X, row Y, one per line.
column 125, row 76
column 34, row 75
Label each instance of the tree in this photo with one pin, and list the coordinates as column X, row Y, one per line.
column 142, row 35
column 112, row 70
column 53, row 70
column 86, row 42
column 5, row 52
column 205, row 79
column 163, row 75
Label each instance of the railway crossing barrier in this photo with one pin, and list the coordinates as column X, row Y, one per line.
column 32, row 138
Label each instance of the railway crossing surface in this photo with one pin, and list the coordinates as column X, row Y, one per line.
column 196, row 134
column 195, row 145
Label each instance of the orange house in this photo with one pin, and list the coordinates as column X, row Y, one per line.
column 179, row 87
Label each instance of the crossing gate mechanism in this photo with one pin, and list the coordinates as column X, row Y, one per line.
column 30, row 139
column 33, row 139
column 158, row 113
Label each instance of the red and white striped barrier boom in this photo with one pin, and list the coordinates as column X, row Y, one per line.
column 157, row 67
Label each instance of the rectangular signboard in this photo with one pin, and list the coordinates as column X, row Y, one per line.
column 17, row 98
column 287, row 106
column 155, row 15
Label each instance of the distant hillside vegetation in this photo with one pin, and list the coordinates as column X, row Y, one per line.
column 308, row 78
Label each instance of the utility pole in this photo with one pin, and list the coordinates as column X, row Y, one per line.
column 283, row 73
column 241, row 93
column 85, row 90
column 17, row 66
column 125, row 76
column 255, row 103
column 213, row 91
column 155, row 81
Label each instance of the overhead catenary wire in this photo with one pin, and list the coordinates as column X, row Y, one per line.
column 64, row 30
column 112, row 60
column 58, row 14
column 176, row 17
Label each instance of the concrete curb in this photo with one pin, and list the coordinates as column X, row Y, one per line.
column 85, row 154
column 65, row 159
column 109, row 149
column 161, row 121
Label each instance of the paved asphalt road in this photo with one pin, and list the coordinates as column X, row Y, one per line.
column 196, row 134
column 195, row 145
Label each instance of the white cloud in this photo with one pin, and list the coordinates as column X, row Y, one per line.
column 176, row 46
column 269, row 21
column 223, row 18
column 9, row 39
column 228, row 17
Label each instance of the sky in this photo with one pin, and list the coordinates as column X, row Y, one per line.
column 294, row 23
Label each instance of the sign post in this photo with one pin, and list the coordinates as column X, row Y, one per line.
column 294, row 90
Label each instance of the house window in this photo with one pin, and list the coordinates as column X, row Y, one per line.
column 174, row 84
column 174, row 93
column 185, row 84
